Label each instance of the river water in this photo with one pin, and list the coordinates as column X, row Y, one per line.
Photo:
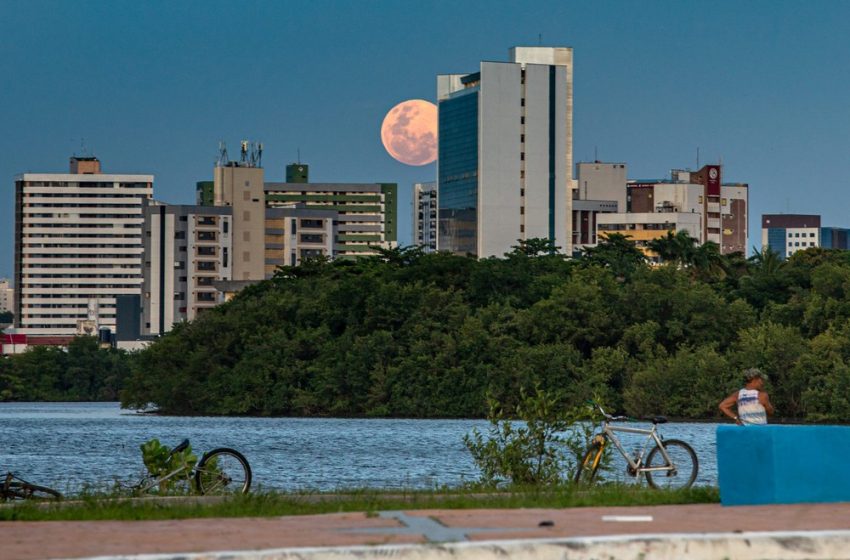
column 72, row 445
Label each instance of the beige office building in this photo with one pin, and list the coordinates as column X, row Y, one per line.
column 239, row 185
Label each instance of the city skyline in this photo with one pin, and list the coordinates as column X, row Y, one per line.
column 153, row 88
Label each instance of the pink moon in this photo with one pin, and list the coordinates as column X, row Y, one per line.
column 409, row 132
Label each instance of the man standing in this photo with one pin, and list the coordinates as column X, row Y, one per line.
column 752, row 401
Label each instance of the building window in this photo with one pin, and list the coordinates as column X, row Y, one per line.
column 226, row 226
column 246, row 215
column 207, row 266
column 207, row 251
column 224, row 257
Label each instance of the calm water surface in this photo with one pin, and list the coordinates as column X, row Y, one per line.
column 68, row 445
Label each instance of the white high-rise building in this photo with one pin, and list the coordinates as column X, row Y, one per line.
column 505, row 160
column 425, row 216
column 78, row 245
column 7, row 296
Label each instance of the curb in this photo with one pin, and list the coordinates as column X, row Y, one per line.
column 790, row 545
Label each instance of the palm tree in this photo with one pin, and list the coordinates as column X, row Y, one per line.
column 677, row 248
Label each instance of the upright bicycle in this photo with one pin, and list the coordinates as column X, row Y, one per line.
column 220, row 471
column 669, row 464
column 16, row 488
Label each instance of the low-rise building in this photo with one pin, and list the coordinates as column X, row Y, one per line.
column 723, row 206
column 601, row 189
column 644, row 227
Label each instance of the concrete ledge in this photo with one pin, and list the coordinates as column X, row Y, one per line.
column 741, row 546
column 783, row 464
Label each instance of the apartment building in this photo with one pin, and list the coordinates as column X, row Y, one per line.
column 78, row 245
column 425, row 216
column 366, row 212
column 7, row 297
column 187, row 249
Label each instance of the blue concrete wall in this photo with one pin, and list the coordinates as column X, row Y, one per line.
column 783, row 464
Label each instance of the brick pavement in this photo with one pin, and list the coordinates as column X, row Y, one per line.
column 80, row 539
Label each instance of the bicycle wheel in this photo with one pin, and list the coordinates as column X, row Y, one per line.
column 684, row 465
column 27, row 491
column 589, row 465
column 223, row 471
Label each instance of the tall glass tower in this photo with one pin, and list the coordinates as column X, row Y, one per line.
column 504, row 170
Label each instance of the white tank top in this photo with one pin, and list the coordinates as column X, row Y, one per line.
column 750, row 410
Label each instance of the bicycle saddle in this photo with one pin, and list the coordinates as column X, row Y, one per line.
column 659, row 420
column 180, row 447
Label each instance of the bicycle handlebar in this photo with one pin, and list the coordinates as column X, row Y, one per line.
column 610, row 417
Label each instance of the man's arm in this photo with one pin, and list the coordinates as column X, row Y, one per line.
column 765, row 402
column 726, row 405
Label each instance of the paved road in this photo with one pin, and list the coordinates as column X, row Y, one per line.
column 80, row 539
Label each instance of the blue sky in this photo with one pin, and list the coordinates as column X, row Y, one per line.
column 152, row 87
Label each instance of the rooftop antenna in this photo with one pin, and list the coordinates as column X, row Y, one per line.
column 259, row 154
column 595, row 154
column 299, row 156
column 540, row 39
column 244, row 151
column 222, row 154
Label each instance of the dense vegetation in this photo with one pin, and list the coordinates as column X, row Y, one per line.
column 433, row 335
column 418, row 335
column 83, row 372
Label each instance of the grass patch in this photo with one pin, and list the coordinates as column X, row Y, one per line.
column 268, row 504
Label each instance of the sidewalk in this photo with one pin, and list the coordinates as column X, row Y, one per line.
column 82, row 539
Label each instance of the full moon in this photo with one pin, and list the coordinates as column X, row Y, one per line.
column 409, row 132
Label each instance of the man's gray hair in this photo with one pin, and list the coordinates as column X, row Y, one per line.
column 752, row 373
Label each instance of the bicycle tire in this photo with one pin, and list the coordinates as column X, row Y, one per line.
column 684, row 460
column 223, row 471
column 26, row 491
column 591, row 459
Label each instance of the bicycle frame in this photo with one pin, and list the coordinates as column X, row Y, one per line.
column 155, row 481
column 636, row 464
